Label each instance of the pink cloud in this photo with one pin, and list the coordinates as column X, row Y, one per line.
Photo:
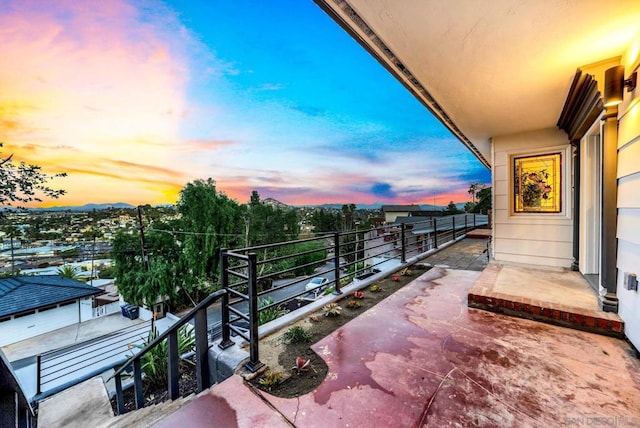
column 84, row 81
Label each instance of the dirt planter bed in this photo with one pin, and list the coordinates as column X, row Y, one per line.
column 280, row 356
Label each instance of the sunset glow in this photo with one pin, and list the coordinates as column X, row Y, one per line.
column 135, row 99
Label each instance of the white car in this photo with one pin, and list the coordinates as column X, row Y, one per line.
column 317, row 284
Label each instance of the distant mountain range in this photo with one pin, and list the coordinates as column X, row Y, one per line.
column 378, row 205
column 87, row 207
column 269, row 201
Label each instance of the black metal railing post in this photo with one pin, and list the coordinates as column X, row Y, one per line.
column 38, row 374
column 137, row 383
column 474, row 221
column 466, row 229
column 254, row 355
column 403, row 246
column 435, row 233
column 202, row 350
column 453, row 227
column 119, row 395
column 336, row 262
column 173, row 362
column 224, row 303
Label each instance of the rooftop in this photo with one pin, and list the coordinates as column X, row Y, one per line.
column 26, row 293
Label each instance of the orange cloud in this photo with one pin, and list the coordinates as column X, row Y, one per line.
column 88, row 81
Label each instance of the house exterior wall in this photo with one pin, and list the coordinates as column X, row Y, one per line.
column 531, row 238
column 628, row 233
column 20, row 328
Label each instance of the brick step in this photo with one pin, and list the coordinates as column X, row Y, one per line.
column 599, row 322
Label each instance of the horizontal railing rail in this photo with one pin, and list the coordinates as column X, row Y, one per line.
column 199, row 315
column 340, row 258
column 261, row 280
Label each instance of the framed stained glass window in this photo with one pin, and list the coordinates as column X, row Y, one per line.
column 538, row 183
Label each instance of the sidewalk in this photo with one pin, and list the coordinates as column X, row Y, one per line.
column 423, row 358
column 66, row 336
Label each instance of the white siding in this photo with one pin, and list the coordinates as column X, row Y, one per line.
column 629, row 205
column 40, row 322
column 540, row 239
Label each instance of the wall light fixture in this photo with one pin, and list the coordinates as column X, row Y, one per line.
column 614, row 82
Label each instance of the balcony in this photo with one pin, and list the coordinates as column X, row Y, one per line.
column 420, row 357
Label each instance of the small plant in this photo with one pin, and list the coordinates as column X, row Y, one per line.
column 396, row 278
column 406, row 272
column 346, row 280
column 270, row 379
column 302, row 365
column 314, row 318
column 296, row 334
column 328, row 291
column 332, row 310
column 358, row 294
column 154, row 362
column 268, row 314
column 375, row 288
column 353, row 304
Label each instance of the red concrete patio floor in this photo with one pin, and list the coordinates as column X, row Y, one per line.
column 423, row 358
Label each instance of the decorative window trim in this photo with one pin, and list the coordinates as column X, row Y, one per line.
column 537, row 183
column 565, row 211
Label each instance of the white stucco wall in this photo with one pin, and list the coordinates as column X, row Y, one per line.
column 628, row 232
column 531, row 238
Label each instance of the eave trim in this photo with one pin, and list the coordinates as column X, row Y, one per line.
column 582, row 106
column 393, row 64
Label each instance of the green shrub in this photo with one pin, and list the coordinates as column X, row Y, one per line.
column 154, row 362
column 269, row 314
column 297, row 334
column 270, row 379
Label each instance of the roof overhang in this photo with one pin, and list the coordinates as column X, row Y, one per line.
column 489, row 68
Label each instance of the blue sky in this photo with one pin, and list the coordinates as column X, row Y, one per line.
column 272, row 96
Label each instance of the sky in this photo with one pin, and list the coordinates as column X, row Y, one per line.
column 134, row 99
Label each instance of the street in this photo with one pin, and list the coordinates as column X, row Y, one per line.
column 297, row 286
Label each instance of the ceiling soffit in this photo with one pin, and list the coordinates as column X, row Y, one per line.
column 488, row 68
column 378, row 49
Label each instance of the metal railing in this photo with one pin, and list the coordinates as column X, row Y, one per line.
column 342, row 256
column 199, row 315
column 249, row 274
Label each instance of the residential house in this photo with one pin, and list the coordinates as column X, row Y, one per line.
column 33, row 305
column 392, row 211
column 534, row 91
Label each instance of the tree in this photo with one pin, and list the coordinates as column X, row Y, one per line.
column 451, row 209
column 167, row 275
column 267, row 225
column 68, row 272
column 484, row 201
column 211, row 221
column 474, row 189
column 347, row 212
column 326, row 220
column 23, row 183
column 183, row 254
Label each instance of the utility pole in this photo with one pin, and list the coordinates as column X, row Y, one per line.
column 145, row 258
column 13, row 260
column 93, row 253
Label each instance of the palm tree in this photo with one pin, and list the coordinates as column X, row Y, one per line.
column 67, row 271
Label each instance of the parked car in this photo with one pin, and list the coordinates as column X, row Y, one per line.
column 317, row 284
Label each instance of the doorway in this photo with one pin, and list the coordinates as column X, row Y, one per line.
column 591, row 205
